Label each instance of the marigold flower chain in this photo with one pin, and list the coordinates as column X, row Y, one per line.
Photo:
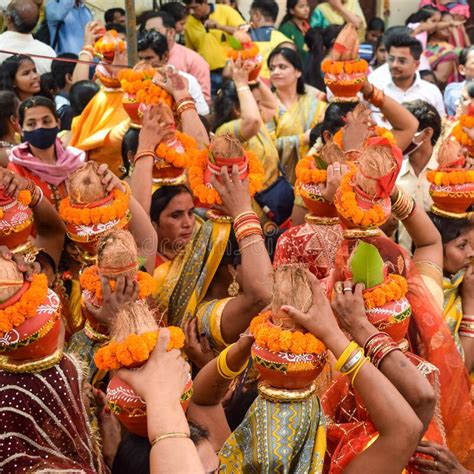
column 106, row 44
column 207, row 194
column 358, row 66
column 134, row 350
column 26, row 307
column 348, row 208
column 246, row 53
column 276, row 339
column 95, row 215
column 461, row 136
column 308, row 174
column 394, row 288
column 24, row 197
column 450, row 178
column 90, row 281
column 176, row 158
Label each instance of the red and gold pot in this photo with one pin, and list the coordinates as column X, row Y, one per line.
column 16, row 222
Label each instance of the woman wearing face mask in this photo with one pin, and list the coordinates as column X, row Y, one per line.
column 19, row 75
column 419, row 159
column 42, row 157
column 8, row 124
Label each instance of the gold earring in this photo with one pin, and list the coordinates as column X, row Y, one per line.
column 234, row 287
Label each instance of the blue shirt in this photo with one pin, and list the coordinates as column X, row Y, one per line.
column 452, row 94
column 71, row 21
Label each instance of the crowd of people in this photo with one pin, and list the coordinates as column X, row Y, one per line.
column 251, row 251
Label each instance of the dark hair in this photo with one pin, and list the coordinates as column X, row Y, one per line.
column 153, row 40
column 225, row 103
column 470, row 89
column 18, row 18
column 333, row 120
column 428, row 73
column 290, row 4
column 188, row 2
column 37, row 101
column 294, row 59
column 268, row 8
column 376, row 24
column 166, row 18
column 81, row 94
column 61, row 69
column 9, row 70
column 117, row 27
column 405, row 41
column 109, row 15
column 449, row 229
column 8, row 107
column 162, row 197
column 423, row 14
column 312, row 67
column 133, row 454
column 394, row 31
column 232, row 253
column 427, row 116
column 176, row 9
column 129, row 144
column 464, row 54
column 49, row 86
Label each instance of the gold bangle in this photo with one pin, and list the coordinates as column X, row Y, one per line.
column 251, row 242
column 348, row 351
column 243, row 88
column 356, row 372
column 223, row 368
column 168, row 436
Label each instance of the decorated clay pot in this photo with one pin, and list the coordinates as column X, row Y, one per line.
column 16, row 222
column 285, row 370
column 453, row 198
column 392, row 318
column 254, row 73
column 38, row 336
column 215, row 169
column 130, row 408
column 315, row 202
column 134, row 109
column 166, row 174
column 345, row 86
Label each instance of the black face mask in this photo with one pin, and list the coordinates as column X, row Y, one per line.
column 41, row 138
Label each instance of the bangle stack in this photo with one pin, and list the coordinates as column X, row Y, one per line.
column 376, row 97
column 351, row 360
column 36, row 197
column 94, row 335
column 466, row 328
column 223, row 368
column 403, row 206
column 169, row 436
column 378, row 346
column 187, row 103
column 88, row 51
column 247, row 224
column 142, row 154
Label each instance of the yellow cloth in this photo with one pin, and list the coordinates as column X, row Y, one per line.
column 266, row 47
column 334, row 18
column 288, row 126
column 100, row 129
column 212, row 45
column 452, row 309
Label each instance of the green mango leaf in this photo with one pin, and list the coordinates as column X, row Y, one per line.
column 320, row 163
column 235, row 43
column 367, row 265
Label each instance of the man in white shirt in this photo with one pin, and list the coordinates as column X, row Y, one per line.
column 420, row 158
column 153, row 48
column 399, row 78
column 21, row 17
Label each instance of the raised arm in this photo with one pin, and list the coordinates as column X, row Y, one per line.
column 348, row 16
column 388, row 410
column 92, row 33
column 266, row 101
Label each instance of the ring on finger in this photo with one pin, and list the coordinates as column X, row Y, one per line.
column 346, row 289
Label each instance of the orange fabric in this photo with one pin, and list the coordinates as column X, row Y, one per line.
column 100, row 129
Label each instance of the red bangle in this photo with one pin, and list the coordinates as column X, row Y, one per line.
column 142, row 154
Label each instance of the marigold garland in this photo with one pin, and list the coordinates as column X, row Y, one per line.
column 450, row 178
column 381, row 132
column 108, row 46
column 95, row 215
column 176, row 158
column 26, row 306
column 394, row 288
column 207, row 194
column 276, row 339
column 134, row 350
column 24, row 197
column 90, row 281
column 357, row 66
column 308, row 174
column 459, row 134
column 247, row 53
column 347, row 207
column 140, row 85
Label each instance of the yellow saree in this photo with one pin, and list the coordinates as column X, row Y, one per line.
column 452, row 307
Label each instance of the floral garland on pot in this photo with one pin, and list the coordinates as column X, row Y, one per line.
column 27, row 305
column 276, row 339
column 206, row 194
column 95, row 215
column 450, row 178
column 90, row 281
column 307, row 173
column 178, row 159
column 105, row 46
column 135, row 349
column 393, row 288
column 466, row 120
column 24, row 198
